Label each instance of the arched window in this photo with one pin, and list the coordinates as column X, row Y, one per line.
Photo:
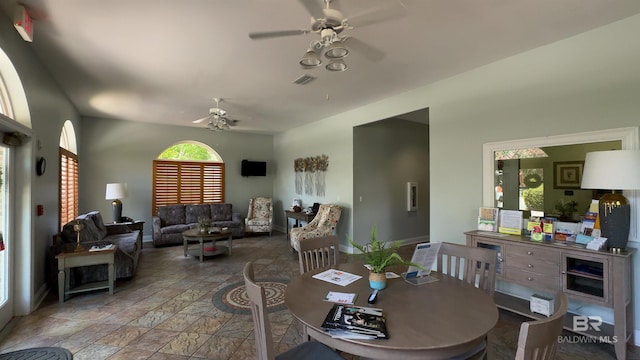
column 68, row 180
column 188, row 172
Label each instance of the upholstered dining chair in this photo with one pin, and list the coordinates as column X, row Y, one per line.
column 538, row 339
column 260, row 216
column 476, row 266
column 262, row 328
column 318, row 252
column 323, row 224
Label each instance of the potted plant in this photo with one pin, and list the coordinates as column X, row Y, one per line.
column 204, row 224
column 377, row 256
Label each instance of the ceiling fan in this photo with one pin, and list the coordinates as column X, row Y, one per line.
column 218, row 119
column 330, row 23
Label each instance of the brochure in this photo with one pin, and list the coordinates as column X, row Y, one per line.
column 340, row 297
column 102, row 247
column 337, row 277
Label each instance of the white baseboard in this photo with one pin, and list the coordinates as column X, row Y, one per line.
column 39, row 297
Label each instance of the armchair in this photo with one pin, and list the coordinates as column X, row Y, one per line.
column 324, row 224
column 260, row 216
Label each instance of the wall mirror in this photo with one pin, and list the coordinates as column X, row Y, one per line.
column 544, row 174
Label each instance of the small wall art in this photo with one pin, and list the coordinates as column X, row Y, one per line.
column 567, row 174
column 412, row 196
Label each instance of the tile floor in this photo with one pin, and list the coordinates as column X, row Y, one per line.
column 165, row 312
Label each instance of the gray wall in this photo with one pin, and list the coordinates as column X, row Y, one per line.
column 123, row 151
column 386, row 155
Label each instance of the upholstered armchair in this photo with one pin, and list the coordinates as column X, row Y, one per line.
column 324, row 224
column 260, row 216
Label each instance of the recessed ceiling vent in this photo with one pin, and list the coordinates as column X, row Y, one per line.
column 304, row 79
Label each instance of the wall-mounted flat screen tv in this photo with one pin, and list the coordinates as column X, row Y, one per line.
column 253, row 168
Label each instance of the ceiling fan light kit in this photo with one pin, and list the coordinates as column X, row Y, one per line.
column 329, row 23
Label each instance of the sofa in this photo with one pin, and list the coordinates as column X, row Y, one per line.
column 171, row 220
column 96, row 232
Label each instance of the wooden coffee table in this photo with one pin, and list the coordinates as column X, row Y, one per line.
column 193, row 235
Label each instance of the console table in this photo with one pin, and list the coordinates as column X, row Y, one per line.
column 297, row 216
column 598, row 277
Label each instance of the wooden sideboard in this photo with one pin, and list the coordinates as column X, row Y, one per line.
column 597, row 277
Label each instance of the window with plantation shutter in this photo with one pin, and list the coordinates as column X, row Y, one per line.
column 187, row 182
column 68, row 186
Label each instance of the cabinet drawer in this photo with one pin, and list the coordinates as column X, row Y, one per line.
column 533, row 264
column 533, row 280
column 548, row 255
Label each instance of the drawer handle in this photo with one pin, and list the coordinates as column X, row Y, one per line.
column 530, row 266
column 530, row 278
column 529, row 252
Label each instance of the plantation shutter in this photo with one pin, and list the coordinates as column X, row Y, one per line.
column 68, row 186
column 187, row 182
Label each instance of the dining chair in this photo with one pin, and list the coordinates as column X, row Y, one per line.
column 476, row 266
column 262, row 328
column 318, row 252
column 538, row 339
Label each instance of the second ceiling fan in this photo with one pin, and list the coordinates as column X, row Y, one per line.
column 330, row 23
column 218, row 118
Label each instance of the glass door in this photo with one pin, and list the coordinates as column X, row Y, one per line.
column 6, row 263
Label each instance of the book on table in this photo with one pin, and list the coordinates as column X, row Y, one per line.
column 355, row 322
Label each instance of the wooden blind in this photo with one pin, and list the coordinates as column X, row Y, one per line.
column 187, row 182
column 68, row 186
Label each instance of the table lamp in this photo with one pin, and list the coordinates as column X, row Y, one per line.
column 613, row 170
column 115, row 192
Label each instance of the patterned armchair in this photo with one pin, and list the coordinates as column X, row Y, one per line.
column 260, row 216
column 324, row 224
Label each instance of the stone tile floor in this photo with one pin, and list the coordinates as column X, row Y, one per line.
column 165, row 312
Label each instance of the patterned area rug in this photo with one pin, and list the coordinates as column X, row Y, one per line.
column 233, row 298
column 41, row 353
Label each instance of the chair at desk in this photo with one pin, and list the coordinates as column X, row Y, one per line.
column 538, row 339
column 262, row 328
column 476, row 266
column 318, row 252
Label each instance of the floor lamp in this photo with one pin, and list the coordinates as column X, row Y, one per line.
column 115, row 192
column 613, row 170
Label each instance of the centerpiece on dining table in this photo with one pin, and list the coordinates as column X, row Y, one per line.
column 377, row 256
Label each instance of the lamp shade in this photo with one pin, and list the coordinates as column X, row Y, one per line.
column 116, row 191
column 612, row 170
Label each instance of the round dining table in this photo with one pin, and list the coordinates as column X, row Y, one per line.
column 435, row 320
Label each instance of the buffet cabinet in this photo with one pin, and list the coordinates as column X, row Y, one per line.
column 598, row 277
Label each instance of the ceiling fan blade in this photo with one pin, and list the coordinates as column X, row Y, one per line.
column 378, row 15
column 200, row 120
column 370, row 52
column 272, row 34
column 314, row 8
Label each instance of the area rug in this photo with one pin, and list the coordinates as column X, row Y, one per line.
column 233, row 298
column 40, row 353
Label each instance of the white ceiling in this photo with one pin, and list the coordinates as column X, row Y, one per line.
column 165, row 61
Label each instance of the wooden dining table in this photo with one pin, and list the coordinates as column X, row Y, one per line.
column 436, row 320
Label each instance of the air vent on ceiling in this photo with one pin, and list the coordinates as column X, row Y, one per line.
column 304, row 79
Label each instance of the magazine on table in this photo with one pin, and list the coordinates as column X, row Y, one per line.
column 355, row 322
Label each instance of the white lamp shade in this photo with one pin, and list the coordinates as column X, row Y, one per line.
column 116, row 191
column 612, row 170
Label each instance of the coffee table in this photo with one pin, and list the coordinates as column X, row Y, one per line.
column 193, row 235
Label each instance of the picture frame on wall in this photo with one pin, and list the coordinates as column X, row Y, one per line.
column 412, row 196
column 567, row 174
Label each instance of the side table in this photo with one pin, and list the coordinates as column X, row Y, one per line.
column 68, row 260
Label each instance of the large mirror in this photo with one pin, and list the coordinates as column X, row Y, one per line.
column 544, row 174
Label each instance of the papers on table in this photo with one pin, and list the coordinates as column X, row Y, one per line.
column 340, row 297
column 101, row 248
column 337, row 277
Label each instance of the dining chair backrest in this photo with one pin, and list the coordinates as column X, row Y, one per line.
column 538, row 339
column 262, row 326
column 318, row 253
column 476, row 266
